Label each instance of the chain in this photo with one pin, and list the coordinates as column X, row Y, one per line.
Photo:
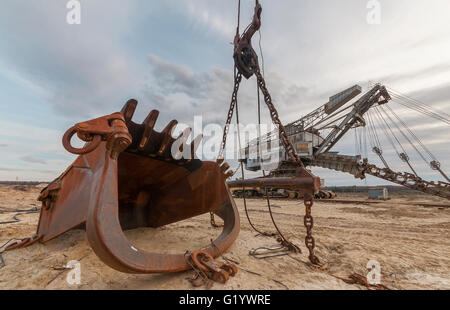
column 248, row 67
column 199, row 278
column 309, row 224
column 213, row 221
column 309, row 240
column 285, row 243
column 237, row 82
column 276, row 120
column 309, row 221
column 243, row 186
column 356, row 278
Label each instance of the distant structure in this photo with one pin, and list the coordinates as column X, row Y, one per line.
column 379, row 193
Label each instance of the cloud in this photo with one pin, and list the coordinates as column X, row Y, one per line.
column 179, row 89
column 426, row 72
column 26, row 172
column 173, row 78
column 32, row 159
column 183, row 93
column 204, row 93
column 6, row 169
column 81, row 68
column 3, row 145
column 29, row 148
column 175, row 56
column 433, row 95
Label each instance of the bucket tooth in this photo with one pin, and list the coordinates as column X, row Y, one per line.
column 225, row 170
column 129, row 109
column 167, row 138
column 182, row 138
column 225, row 167
column 229, row 174
column 123, row 187
column 149, row 125
column 195, row 145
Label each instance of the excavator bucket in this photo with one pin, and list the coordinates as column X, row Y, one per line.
column 128, row 175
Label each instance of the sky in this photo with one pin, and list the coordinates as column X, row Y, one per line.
column 176, row 56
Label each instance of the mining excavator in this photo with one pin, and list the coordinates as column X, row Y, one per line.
column 372, row 118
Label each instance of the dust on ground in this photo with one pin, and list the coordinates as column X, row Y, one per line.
column 411, row 242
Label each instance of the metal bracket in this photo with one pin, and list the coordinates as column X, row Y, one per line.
column 95, row 131
column 216, row 271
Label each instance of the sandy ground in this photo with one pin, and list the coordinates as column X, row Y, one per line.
column 412, row 244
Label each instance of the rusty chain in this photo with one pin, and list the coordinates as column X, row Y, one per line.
column 309, row 224
column 213, row 221
column 308, row 221
column 199, row 278
column 285, row 243
column 309, row 240
column 276, row 120
column 358, row 279
column 237, row 82
column 247, row 64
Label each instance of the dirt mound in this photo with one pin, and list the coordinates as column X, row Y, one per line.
column 41, row 186
column 23, row 188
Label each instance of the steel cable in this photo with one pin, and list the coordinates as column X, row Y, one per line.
column 413, row 135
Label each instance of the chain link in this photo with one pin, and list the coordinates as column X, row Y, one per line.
column 213, row 221
column 245, row 40
column 276, row 120
column 199, row 278
column 309, row 224
column 237, row 82
column 308, row 220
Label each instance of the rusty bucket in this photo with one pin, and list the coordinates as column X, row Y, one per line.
column 125, row 177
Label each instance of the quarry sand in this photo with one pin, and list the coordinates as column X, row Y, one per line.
column 411, row 242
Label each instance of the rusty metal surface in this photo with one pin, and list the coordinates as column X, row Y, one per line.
column 359, row 279
column 126, row 177
column 411, row 181
column 206, row 269
column 245, row 57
